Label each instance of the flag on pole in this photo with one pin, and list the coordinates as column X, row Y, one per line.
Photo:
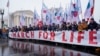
column 44, row 8
column 89, row 10
column 66, row 15
column 52, row 15
column 22, row 20
column 8, row 3
column 58, row 15
column 44, row 12
column 9, row 19
column 36, row 18
column 78, row 4
column 70, row 9
column 48, row 18
column 75, row 12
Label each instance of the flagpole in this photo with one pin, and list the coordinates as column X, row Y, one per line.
column 93, row 8
column 70, row 11
column 81, row 11
column 42, row 1
column 8, row 15
column 41, row 11
column 82, row 16
column 60, row 3
column 67, row 10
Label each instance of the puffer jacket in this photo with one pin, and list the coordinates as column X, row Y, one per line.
column 4, row 30
column 80, row 27
column 84, row 26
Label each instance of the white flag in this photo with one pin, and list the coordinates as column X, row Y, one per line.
column 44, row 12
column 36, row 18
column 22, row 20
column 89, row 10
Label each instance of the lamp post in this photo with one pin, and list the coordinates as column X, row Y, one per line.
column 2, row 21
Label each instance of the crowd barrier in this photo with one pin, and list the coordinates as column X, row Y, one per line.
column 45, row 50
column 86, row 38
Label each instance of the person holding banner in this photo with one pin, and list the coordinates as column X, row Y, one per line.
column 63, row 26
column 19, row 29
column 45, row 27
column 80, row 28
column 74, row 26
column 58, row 27
column 30, row 28
column 93, row 24
column 53, row 27
column 84, row 25
column 68, row 26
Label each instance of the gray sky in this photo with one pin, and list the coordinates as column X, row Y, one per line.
column 37, row 4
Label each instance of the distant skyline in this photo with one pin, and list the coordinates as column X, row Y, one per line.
column 16, row 5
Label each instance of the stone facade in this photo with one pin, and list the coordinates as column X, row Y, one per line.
column 15, row 18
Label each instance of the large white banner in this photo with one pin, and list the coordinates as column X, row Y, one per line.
column 86, row 38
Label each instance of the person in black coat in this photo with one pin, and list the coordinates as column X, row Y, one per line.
column 15, row 29
column 49, row 27
column 63, row 26
column 45, row 27
column 93, row 24
column 74, row 26
column 26, row 28
column 58, row 28
column 53, row 27
column 68, row 26
column 19, row 28
column 30, row 28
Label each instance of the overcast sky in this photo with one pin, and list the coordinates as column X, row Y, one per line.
column 37, row 4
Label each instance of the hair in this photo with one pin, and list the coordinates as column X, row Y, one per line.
column 92, row 18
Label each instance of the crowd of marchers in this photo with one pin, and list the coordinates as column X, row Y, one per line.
column 80, row 26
